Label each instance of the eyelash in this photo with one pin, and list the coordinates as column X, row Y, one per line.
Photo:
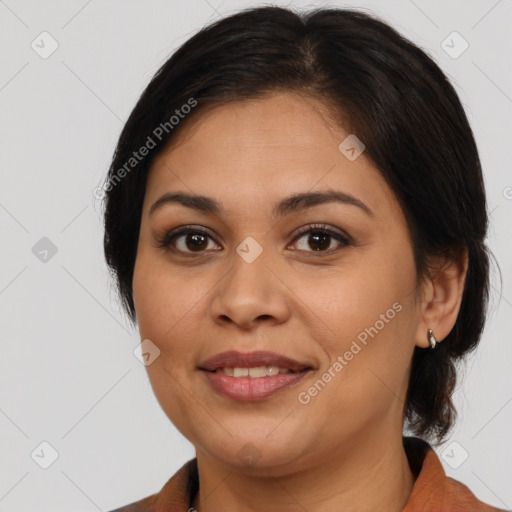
column 166, row 241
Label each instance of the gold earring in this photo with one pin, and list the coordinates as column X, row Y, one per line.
column 431, row 339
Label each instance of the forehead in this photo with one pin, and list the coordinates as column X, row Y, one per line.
column 268, row 124
column 259, row 149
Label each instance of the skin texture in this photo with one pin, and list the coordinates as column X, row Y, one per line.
column 343, row 450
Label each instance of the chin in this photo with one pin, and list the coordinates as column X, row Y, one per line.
column 255, row 451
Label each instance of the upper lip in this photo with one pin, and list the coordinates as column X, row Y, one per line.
column 234, row 359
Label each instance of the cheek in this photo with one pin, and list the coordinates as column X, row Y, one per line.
column 162, row 297
column 170, row 305
column 366, row 374
column 364, row 299
column 369, row 309
column 162, row 301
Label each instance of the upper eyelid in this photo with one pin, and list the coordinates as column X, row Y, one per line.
column 319, row 226
column 302, row 230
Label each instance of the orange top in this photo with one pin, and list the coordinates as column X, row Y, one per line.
column 433, row 491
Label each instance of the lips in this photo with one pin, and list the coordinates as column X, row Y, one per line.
column 252, row 376
column 234, row 359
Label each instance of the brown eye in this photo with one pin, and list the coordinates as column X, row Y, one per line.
column 195, row 241
column 319, row 239
column 187, row 240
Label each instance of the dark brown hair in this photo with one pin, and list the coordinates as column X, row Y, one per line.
column 379, row 86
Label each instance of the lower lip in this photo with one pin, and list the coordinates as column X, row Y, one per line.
column 246, row 389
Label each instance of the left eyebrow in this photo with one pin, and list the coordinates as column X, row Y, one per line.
column 286, row 206
column 305, row 200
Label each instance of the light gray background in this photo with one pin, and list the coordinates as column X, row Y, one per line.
column 68, row 375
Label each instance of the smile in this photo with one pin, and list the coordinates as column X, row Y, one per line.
column 256, row 372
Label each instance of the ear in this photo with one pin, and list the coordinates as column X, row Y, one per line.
column 442, row 297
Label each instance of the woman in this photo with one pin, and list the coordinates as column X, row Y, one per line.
column 295, row 218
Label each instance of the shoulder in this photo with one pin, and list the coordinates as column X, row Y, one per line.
column 462, row 497
column 143, row 505
column 177, row 494
column 433, row 489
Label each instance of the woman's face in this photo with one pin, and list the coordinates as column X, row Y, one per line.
column 339, row 301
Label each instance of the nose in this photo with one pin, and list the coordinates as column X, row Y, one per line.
column 250, row 294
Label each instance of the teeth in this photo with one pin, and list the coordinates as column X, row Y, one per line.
column 253, row 373
column 240, row 372
column 260, row 371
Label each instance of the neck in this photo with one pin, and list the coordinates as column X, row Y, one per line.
column 372, row 474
